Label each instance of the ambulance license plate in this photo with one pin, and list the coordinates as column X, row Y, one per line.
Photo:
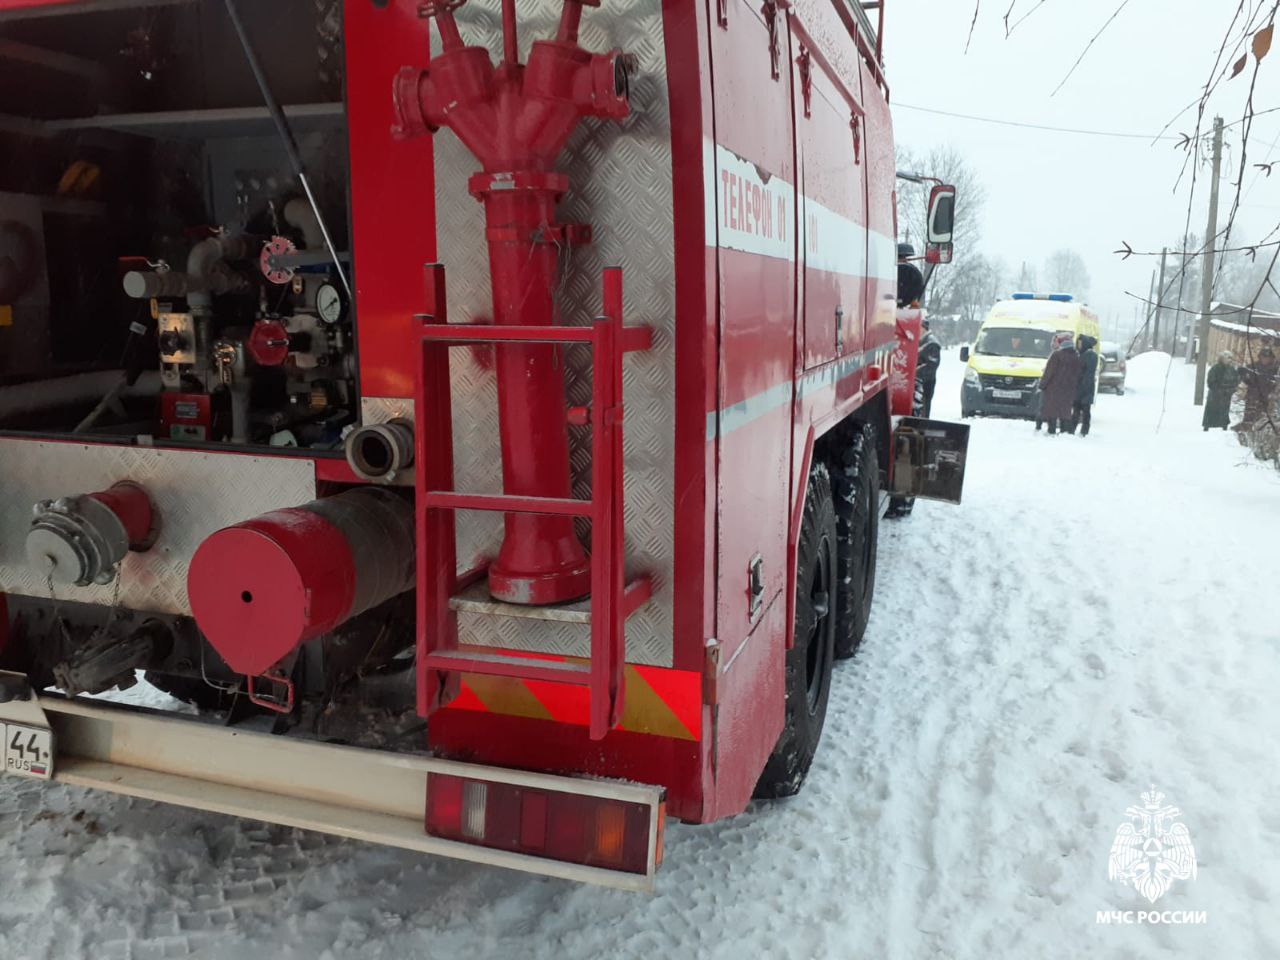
column 28, row 751
column 1007, row 394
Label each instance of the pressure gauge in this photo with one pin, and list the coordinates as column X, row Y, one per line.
column 331, row 304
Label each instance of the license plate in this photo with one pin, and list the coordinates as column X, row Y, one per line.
column 28, row 751
column 1007, row 394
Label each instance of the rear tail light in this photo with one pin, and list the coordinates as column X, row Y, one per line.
column 588, row 830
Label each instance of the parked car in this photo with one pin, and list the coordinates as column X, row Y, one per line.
column 1113, row 368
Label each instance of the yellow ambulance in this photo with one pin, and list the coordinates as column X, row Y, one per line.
column 1006, row 361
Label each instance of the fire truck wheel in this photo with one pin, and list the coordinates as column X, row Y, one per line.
column 855, row 482
column 192, row 690
column 808, row 673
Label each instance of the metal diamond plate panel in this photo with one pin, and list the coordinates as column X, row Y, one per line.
column 382, row 409
column 620, row 183
column 195, row 494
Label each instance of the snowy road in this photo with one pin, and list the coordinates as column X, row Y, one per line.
column 1099, row 615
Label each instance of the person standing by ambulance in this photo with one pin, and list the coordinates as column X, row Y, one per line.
column 1086, row 390
column 1059, row 383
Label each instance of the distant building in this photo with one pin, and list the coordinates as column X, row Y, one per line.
column 1242, row 330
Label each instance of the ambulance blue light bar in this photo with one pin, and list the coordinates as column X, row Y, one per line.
column 1060, row 297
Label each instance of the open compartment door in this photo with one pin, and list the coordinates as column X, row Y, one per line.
column 929, row 459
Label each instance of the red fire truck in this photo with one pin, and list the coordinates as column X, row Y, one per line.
column 318, row 321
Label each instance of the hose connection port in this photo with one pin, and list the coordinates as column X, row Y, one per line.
column 378, row 452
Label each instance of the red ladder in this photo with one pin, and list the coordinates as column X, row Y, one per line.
column 440, row 660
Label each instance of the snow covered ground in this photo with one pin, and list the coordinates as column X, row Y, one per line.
column 1099, row 615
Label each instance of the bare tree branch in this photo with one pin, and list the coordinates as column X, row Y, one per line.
column 1009, row 29
column 1089, row 45
column 977, row 5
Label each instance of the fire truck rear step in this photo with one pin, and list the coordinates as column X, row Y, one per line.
column 492, row 664
column 362, row 794
column 476, row 600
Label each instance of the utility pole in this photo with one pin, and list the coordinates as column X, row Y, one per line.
column 1146, row 325
column 1206, row 281
column 1155, row 337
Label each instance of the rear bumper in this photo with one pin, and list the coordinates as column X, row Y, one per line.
column 975, row 399
column 370, row 795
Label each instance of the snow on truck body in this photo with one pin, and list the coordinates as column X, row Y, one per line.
column 695, row 226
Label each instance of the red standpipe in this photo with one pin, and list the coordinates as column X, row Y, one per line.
column 516, row 119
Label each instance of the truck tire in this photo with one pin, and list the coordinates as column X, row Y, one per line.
column 808, row 662
column 855, row 486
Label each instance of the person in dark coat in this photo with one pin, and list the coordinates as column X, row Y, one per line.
column 927, row 363
column 1259, row 380
column 1086, row 390
column 910, row 279
column 1058, row 385
column 1222, row 381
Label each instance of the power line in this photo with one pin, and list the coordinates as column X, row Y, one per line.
column 1034, row 126
column 1074, row 130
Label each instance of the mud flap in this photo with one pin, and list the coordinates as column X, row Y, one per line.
column 929, row 459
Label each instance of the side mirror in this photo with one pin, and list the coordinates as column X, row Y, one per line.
column 941, row 224
column 964, row 354
column 942, row 214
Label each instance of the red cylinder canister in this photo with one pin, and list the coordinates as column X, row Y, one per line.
column 262, row 588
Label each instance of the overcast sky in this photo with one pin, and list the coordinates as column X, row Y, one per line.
column 1047, row 190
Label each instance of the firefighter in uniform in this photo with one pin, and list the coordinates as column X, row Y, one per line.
column 927, row 368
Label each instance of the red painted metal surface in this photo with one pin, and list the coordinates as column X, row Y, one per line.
column 515, row 120
column 501, row 503
column 392, row 193
column 759, row 340
column 435, row 526
column 336, row 470
column 696, row 344
column 902, row 372
column 261, row 588
column 132, row 506
column 535, row 744
column 21, row 4
column 749, row 716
